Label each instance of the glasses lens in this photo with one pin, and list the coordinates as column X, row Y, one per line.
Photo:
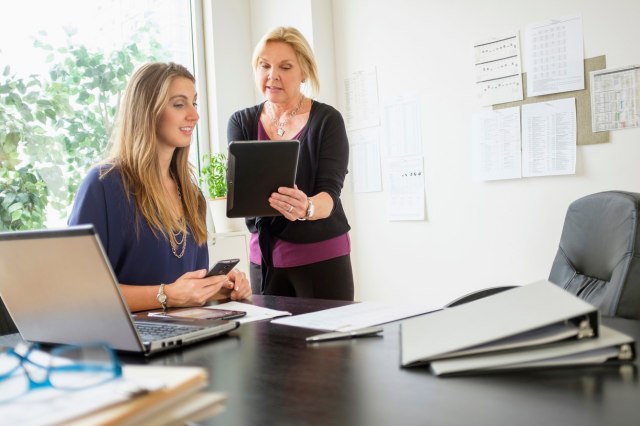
column 77, row 367
column 13, row 381
column 9, row 362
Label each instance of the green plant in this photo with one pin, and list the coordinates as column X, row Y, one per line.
column 54, row 127
column 23, row 199
column 213, row 174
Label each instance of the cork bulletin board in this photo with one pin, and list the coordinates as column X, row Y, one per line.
column 585, row 135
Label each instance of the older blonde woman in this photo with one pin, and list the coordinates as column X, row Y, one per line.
column 306, row 251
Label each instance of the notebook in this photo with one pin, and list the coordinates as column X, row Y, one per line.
column 59, row 288
column 255, row 170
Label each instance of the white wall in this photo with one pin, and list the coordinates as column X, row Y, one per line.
column 477, row 234
column 229, row 73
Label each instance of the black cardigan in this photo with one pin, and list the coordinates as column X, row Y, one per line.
column 322, row 167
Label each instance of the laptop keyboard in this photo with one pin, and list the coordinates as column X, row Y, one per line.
column 155, row 331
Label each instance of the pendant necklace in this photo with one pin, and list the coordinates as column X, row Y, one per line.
column 174, row 241
column 279, row 125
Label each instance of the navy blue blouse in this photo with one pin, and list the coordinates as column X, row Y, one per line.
column 137, row 256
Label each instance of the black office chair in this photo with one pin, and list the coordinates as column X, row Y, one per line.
column 7, row 325
column 478, row 294
column 598, row 257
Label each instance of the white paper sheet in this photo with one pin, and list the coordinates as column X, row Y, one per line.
column 365, row 160
column 549, row 138
column 496, row 144
column 555, row 56
column 254, row 313
column 355, row 316
column 615, row 98
column 401, row 125
column 361, row 93
column 406, row 188
column 498, row 70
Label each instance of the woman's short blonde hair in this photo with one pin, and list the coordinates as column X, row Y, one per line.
column 304, row 53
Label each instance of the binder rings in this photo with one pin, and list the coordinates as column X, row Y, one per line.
column 611, row 345
column 538, row 324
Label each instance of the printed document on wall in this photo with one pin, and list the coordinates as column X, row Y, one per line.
column 401, row 123
column 361, row 92
column 498, row 71
column 365, row 160
column 555, row 56
column 549, row 138
column 615, row 98
column 496, row 144
column 406, row 188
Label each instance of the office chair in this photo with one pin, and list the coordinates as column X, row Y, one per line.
column 478, row 294
column 6, row 323
column 598, row 257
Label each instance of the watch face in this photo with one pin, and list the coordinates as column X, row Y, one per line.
column 162, row 298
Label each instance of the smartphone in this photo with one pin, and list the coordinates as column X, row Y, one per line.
column 223, row 267
column 202, row 313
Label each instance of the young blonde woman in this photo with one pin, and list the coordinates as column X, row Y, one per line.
column 144, row 201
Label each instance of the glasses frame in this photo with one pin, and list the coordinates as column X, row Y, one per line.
column 115, row 367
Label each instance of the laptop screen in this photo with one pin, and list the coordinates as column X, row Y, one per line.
column 58, row 286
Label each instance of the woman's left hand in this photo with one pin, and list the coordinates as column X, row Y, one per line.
column 236, row 287
column 291, row 202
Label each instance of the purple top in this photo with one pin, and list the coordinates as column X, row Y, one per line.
column 289, row 255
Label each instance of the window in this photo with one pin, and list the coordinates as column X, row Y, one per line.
column 64, row 67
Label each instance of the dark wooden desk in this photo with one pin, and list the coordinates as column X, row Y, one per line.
column 273, row 377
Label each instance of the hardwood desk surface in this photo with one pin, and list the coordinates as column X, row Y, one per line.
column 273, row 377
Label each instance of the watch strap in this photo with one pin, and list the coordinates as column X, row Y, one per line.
column 310, row 210
column 162, row 297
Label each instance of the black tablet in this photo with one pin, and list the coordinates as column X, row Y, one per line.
column 255, row 170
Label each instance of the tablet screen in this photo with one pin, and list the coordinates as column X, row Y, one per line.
column 255, row 170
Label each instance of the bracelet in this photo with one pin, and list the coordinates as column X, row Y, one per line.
column 310, row 210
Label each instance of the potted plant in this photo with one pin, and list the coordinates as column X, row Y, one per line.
column 213, row 175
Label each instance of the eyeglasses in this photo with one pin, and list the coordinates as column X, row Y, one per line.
column 68, row 367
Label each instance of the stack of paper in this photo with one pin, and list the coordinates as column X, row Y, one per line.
column 537, row 325
column 145, row 395
column 180, row 400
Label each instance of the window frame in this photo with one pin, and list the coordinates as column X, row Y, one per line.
column 198, row 32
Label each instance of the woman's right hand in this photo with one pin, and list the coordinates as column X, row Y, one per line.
column 193, row 289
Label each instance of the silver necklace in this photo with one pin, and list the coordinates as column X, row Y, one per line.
column 279, row 125
column 174, row 241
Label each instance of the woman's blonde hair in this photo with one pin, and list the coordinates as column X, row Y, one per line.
column 301, row 47
column 135, row 155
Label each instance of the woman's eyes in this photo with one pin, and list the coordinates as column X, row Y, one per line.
column 283, row 67
column 181, row 105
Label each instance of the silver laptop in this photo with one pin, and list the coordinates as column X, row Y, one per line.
column 58, row 287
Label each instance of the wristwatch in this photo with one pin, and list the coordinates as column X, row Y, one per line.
column 162, row 297
column 311, row 209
